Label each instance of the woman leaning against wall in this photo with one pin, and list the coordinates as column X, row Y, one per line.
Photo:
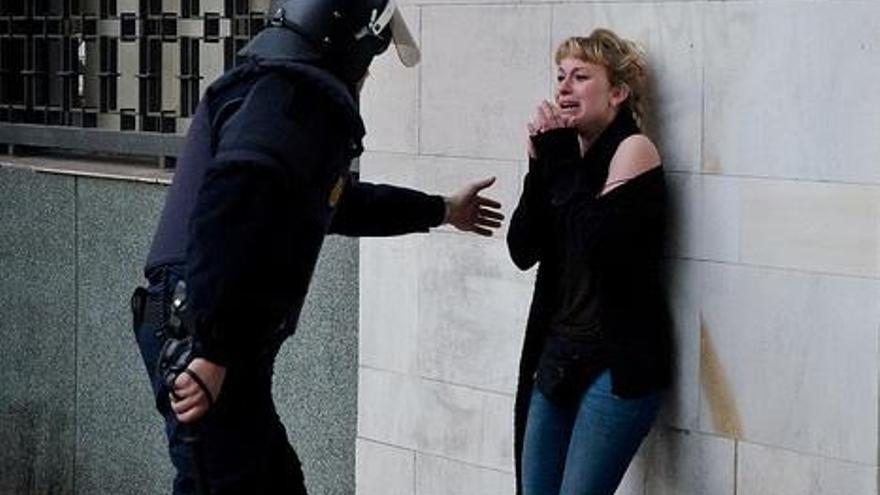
column 597, row 349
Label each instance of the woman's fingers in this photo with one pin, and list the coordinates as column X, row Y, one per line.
column 547, row 117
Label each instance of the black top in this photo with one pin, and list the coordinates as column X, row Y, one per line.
column 623, row 230
column 575, row 351
column 576, row 184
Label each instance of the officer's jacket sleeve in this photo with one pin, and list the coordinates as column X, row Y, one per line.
column 382, row 210
column 243, row 249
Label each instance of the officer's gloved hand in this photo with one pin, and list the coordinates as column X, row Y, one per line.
column 189, row 400
column 467, row 210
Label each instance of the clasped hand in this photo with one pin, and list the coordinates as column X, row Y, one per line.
column 188, row 400
column 547, row 117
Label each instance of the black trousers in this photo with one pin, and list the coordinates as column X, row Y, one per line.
column 240, row 443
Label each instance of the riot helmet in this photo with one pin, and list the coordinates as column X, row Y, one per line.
column 347, row 34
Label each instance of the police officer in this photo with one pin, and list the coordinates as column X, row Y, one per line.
column 262, row 178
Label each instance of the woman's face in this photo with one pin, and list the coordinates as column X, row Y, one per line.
column 584, row 94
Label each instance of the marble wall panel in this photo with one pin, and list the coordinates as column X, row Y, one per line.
column 789, row 89
column 764, row 470
column 480, row 85
column 790, row 360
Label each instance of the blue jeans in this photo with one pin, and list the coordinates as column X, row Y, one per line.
column 242, row 443
column 585, row 447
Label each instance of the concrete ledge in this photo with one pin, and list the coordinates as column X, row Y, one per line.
column 113, row 168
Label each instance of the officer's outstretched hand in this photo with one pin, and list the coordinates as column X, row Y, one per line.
column 189, row 400
column 471, row 212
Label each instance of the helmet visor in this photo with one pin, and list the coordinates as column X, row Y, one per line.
column 407, row 49
column 390, row 19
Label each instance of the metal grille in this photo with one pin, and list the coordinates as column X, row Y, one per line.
column 119, row 76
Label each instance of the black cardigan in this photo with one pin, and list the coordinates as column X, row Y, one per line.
column 625, row 228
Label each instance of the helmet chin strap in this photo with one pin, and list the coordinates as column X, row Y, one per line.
column 278, row 20
column 378, row 21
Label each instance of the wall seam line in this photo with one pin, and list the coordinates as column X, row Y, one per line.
column 76, row 325
column 775, row 268
column 735, row 467
column 419, row 92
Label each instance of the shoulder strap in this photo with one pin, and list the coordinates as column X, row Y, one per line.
column 226, row 95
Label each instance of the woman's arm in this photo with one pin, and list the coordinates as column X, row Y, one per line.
column 529, row 224
column 618, row 216
column 557, row 152
column 552, row 145
column 634, row 156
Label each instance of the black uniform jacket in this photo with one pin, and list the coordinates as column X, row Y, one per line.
column 263, row 177
column 624, row 231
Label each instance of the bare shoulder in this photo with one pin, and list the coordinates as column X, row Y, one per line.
column 635, row 155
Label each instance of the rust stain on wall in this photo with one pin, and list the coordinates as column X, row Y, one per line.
column 711, row 165
column 716, row 388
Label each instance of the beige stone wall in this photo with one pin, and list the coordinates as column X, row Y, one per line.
column 766, row 113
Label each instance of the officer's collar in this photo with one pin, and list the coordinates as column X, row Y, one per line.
column 283, row 49
column 328, row 84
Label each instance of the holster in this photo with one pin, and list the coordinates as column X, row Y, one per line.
column 158, row 311
column 148, row 308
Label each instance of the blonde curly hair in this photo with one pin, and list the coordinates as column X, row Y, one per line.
column 623, row 59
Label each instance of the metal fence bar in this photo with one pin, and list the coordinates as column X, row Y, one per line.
column 116, row 76
column 86, row 139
